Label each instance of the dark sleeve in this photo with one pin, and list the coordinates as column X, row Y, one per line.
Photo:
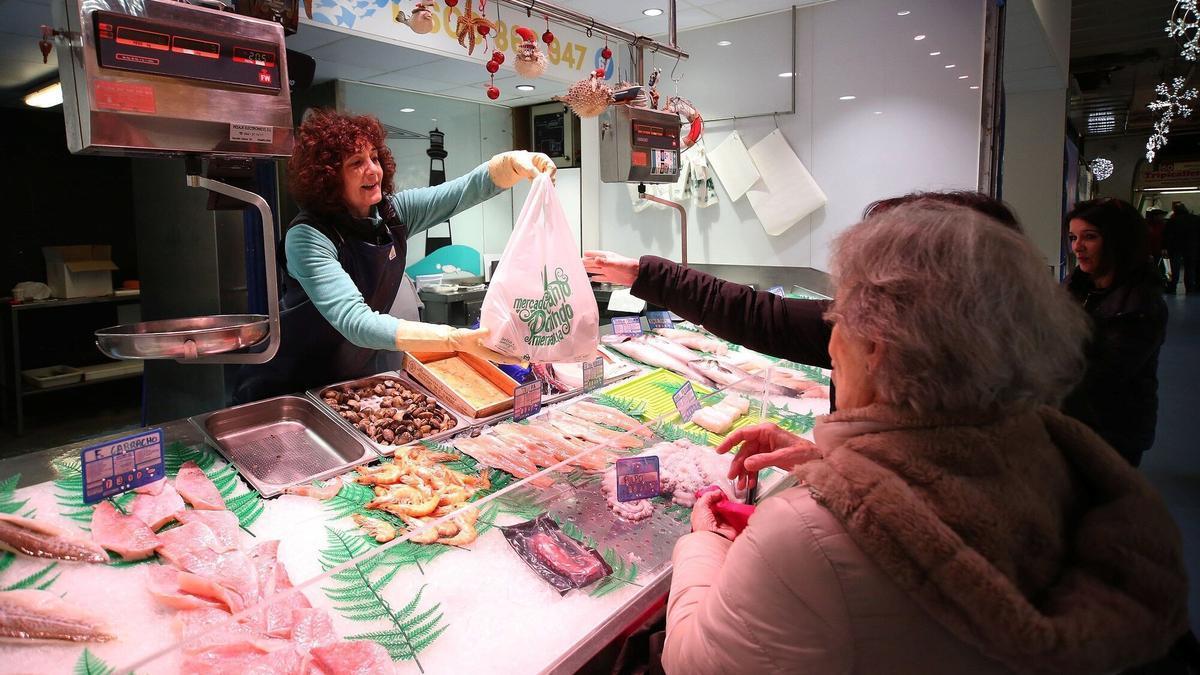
column 1124, row 346
column 782, row 327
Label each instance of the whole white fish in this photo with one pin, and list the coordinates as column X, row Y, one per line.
column 652, row 356
column 42, row 615
column 735, row 378
column 693, row 340
column 42, row 540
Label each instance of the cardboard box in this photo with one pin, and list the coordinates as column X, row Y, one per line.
column 79, row 271
column 414, row 364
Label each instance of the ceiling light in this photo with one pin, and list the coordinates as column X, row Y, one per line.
column 1180, row 192
column 878, row 112
column 408, row 110
column 974, row 86
column 1101, row 167
column 724, row 43
column 786, row 74
column 1190, row 187
column 652, row 12
column 1101, row 122
column 948, row 65
column 847, row 98
column 918, row 38
column 525, row 87
column 935, row 53
column 903, row 12
column 46, row 97
column 963, row 77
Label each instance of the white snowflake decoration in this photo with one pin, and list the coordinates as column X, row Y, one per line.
column 1171, row 102
column 1101, row 167
column 1184, row 25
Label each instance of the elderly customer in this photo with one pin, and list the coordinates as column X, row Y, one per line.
column 948, row 519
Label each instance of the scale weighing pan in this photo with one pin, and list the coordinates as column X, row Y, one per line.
column 183, row 338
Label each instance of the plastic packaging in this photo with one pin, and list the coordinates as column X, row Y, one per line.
column 734, row 514
column 563, row 562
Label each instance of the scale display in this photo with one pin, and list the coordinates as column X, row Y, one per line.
column 139, row 44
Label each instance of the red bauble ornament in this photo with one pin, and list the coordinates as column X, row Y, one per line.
column 600, row 73
column 607, row 53
column 484, row 28
column 547, row 37
column 492, row 66
column 451, row 3
column 498, row 56
column 493, row 92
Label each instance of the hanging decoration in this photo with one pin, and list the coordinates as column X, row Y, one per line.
column 529, row 61
column 1171, row 102
column 493, row 92
column 548, row 37
column 471, row 26
column 1101, row 168
column 693, row 123
column 1184, row 25
column 421, row 19
column 588, row 98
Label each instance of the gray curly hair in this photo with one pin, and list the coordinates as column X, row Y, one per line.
column 970, row 319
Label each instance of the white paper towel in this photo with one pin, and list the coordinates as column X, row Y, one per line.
column 733, row 166
column 787, row 192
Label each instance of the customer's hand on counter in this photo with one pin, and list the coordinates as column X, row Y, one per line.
column 611, row 268
column 764, row 445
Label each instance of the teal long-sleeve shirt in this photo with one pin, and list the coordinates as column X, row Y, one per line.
column 312, row 258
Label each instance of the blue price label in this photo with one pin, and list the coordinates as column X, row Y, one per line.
column 637, row 478
column 685, row 401
column 627, row 325
column 777, row 290
column 659, row 320
column 593, row 374
column 113, row 467
column 527, row 400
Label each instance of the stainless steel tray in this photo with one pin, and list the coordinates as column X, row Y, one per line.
column 183, row 338
column 283, row 441
column 461, row 423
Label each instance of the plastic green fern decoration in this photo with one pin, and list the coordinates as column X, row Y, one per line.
column 357, row 594
column 628, row 406
column 795, row 422
column 37, row 580
column 68, row 492
column 622, row 574
column 351, row 499
column 813, row 373
column 8, row 499
column 90, row 664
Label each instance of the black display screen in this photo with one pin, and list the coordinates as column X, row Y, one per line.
column 135, row 43
column 648, row 135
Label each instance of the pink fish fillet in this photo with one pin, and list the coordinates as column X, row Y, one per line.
column 312, row 628
column 245, row 657
column 568, row 447
column 159, row 509
column 197, row 489
column 151, row 488
column 194, row 548
column 602, row 414
column 124, row 535
column 490, row 451
column 163, row 582
column 587, row 431
column 353, row 658
column 275, row 588
column 224, row 526
column 514, row 436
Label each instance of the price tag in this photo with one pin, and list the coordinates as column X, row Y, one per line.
column 527, row 400
column 686, row 402
column 777, row 290
column 659, row 320
column 113, row 467
column 627, row 325
column 593, row 374
column 637, row 478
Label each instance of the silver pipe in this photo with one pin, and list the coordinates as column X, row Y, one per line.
column 671, row 28
column 586, row 23
column 682, row 223
column 792, row 110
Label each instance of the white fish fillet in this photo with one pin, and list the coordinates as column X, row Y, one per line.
column 42, row 615
column 590, row 432
column 602, row 414
column 43, row 540
column 716, row 419
column 693, row 340
column 652, row 356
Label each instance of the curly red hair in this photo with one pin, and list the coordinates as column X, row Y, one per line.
column 323, row 141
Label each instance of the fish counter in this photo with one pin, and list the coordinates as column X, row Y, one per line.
column 451, row 542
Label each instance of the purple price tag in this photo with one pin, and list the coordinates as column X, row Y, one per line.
column 113, row 467
column 637, row 478
column 659, row 320
column 593, row 374
column 527, row 400
column 685, row 401
column 627, row 325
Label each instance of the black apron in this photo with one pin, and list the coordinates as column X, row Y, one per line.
column 312, row 352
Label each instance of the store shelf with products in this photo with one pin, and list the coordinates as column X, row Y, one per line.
column 476, row 596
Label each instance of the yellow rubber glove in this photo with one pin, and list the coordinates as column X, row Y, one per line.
column 414, row 336
column 508, row 168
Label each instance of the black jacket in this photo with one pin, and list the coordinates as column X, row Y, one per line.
column 1118, row 396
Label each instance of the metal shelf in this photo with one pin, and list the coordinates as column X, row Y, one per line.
column 30, row 391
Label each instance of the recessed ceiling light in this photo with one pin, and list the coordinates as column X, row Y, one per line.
column 878, row 112
column 408, row 110
column 652, row 12
column 525, row 87
column 974, row 86
column 949, row 65
column 918, row 38
column 903, row 12
column 963, row 77
column 724, row 43
column 847, row 98
column 786, row 74
column 45, row 97
column 935, row 53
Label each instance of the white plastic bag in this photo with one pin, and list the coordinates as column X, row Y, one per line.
column 540, row 305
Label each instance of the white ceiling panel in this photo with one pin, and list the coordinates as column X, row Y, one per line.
column 310, row 37
column 736, row 9
column 657, row 25
column 332, row 70
column 24, row 18
column 450, row 70
column 413, row 79
column 381, row 57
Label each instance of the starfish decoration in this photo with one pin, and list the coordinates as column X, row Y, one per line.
column 1171, row 101
column 1184, row 25
column 467, row 28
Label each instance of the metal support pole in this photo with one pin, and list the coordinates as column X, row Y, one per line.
column 586, row 23
column 682, row 219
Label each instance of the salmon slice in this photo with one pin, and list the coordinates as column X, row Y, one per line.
column 159, row 509
column 197, row 489
column 514, row 436
column 127, row 536
column 312, row 628
column 490, row 451
column 573, row 426
column 569, row 447
column 224, row 526
column 353, row 658
column 602, row 414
